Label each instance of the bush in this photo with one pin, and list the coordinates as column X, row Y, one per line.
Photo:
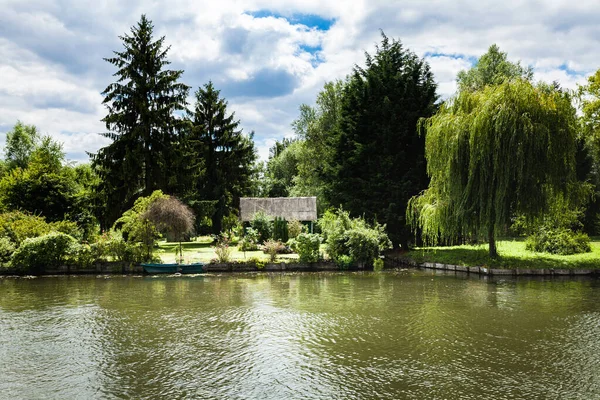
column 18, row 226
column 81, row 255
column 67, row 227
column 295, row 228
column 307, row 246
column 261, row 223
column 7, row 248
column 250, row 241
column 378, row 264
column 246, row 244
column 258, row 263
column 561, row 241
column 352, row 240
column 48, row 251
column 280, row 229
column 272, row 248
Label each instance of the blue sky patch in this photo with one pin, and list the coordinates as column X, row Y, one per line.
column 569, row 71
column 432, row 54
column 309, row 20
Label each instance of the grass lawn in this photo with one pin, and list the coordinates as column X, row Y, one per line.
column 200, row 250
column 512, row 255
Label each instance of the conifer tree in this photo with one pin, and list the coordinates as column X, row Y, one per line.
column 378, row 160
column 140, row 121
column 221, row 156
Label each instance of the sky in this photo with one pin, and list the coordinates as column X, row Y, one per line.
column 267, row 57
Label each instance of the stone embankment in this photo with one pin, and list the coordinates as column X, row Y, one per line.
column 403, row 262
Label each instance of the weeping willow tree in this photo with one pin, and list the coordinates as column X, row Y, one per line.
column 492, row 154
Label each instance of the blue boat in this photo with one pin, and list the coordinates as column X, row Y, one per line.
column 158, row 268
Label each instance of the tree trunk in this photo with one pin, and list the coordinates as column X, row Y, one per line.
column 492, row 241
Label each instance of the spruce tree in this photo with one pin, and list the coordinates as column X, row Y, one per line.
column 378, row 158
column 140, row 121
column 221, row 156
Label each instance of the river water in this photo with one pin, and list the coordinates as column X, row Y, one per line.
column 390, row 335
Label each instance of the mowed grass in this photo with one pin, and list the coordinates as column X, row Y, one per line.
column 512, row 255
column 202, row 250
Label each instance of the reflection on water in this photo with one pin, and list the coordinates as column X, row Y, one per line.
column 409, row 335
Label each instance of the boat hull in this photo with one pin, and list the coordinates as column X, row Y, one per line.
column 152, row 268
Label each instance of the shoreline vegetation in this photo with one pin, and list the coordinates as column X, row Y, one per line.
column 514, row 256
column 516, row 260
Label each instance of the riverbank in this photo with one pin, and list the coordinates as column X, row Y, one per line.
column 110, row 268
column 514, row 260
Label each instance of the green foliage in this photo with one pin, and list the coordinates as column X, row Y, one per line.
column 378, row 161
column 18, row 226
column 20, row 143
column 282, row 168
column 307, row 246
column 272, row 248
column 250, row 241
column 378, row 264
column 141, row 106
column 136, row 227
column 280, row 229
column 262, row 224
column 493, row 154
column 344, row 262
column 316, row 128
column 558, row 241
column 295, row 228
column 44, row 252
column 353, row 238
column 7, row 248
column 67, row 227
column 219, row 155
column 258, row 262
column 170, row 215
column 492, row 68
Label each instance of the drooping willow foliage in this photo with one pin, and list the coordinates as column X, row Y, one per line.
column 492, row 154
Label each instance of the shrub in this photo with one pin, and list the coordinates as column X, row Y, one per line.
column 81, row 254
column 48, row 251
column 7, row 248
column 247, row 244
column 250, row 241
column 67, row 227
column 120, row 250
column 261, row 223
column 378, row 264
column 18, row 226
column 272, row 248
column 259, row 263
column 307, row 246
column 223, row 250
column 561, row 241
column 352, row 238
column 280, row 229
column 344, row 262
column 295, row 228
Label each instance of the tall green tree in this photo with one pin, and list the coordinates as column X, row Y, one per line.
column 282, row 168
column 20, row 144
column 378, row 160
column 492, row 68
column 316, row 128
column 141, row 121
column 224, row 172
column 492, row 154
column 49, row 187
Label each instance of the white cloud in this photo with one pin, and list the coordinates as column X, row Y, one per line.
column 52, row 73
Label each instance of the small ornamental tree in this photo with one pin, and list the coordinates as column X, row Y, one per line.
column 171, row 215
column 492, row 154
